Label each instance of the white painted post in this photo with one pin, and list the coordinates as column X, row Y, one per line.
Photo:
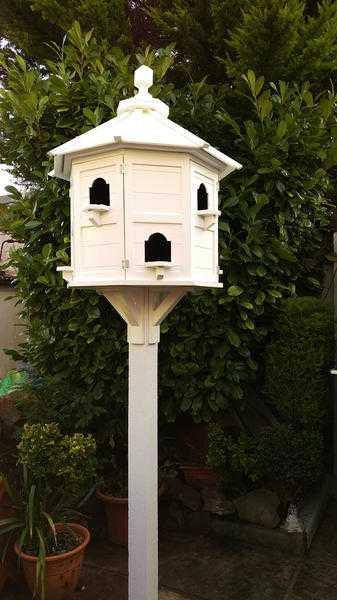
column 143, row 309
column 143, row 472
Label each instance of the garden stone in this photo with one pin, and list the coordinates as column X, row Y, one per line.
column 187, row 495
column 171, row 516
column 216, row 503
column 198, row 521
column 259, row 507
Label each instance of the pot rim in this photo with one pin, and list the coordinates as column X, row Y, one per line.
column 111, row 499
column 50, row 559
column 196, row 467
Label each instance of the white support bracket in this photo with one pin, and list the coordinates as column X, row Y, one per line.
column 143, row 309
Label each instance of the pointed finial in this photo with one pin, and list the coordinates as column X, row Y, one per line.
column 143, row 100
column 143, row 80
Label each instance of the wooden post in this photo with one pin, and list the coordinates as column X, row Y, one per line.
column 143, row 309
column 143, row 472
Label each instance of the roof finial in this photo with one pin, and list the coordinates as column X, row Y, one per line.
column 143, row 100
column 143, row 80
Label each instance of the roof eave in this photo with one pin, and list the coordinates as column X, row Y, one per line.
column 224, row 164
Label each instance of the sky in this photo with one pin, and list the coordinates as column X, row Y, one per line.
column 5, row 179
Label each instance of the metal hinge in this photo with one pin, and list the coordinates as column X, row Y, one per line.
column 125, row 263
column 123, row 168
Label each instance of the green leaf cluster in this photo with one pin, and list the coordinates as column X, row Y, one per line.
column 34, row 26
column 63, row 467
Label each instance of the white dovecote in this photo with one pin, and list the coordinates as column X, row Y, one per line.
column 144, row 231
column 144, row 199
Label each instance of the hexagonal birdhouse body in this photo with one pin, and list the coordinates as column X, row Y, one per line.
column 144, row 199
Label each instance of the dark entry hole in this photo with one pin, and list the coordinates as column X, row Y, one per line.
column 157, row 248
column 202, row 197
column 99, row 192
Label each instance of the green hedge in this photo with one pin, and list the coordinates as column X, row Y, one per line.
column 298, row 361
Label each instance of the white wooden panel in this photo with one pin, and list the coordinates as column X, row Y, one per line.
column 156, row 201
column 153, row 177
column 204, row 241
column 99, row 248
column 203, row 259
column 101, row 256
column 201, row 175
column 96, row 235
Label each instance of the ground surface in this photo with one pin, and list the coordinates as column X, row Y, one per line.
column 205, row 569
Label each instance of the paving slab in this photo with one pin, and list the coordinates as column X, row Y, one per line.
column 166, row 595
column 204, row 568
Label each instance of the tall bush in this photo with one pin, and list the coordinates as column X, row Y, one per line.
column 271, row 232
column 298, row 362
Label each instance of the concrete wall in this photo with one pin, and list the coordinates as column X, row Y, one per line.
column 11, row 332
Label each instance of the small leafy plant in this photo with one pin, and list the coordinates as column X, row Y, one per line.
column 287, row 459
column 57, row 470
column 290, row 460
column 235, row 460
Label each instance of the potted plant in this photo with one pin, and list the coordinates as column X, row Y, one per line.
column 199, row 476
column 113, row 491
column 194, row 445
column 57, row 470
column 114, row 495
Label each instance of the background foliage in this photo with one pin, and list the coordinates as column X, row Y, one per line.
column 298, row 362
column 290, row 453
column 274, row 211
column 284, row 458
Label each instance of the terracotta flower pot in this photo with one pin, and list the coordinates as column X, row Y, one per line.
column 116, row 512
column 62, row 571
column 194, row 437
column 199, row 475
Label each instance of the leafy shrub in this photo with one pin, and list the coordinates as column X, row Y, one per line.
column 235, row 460
column 46, row 400
column 290, row 460
column 298, row 360
column 63, row 467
